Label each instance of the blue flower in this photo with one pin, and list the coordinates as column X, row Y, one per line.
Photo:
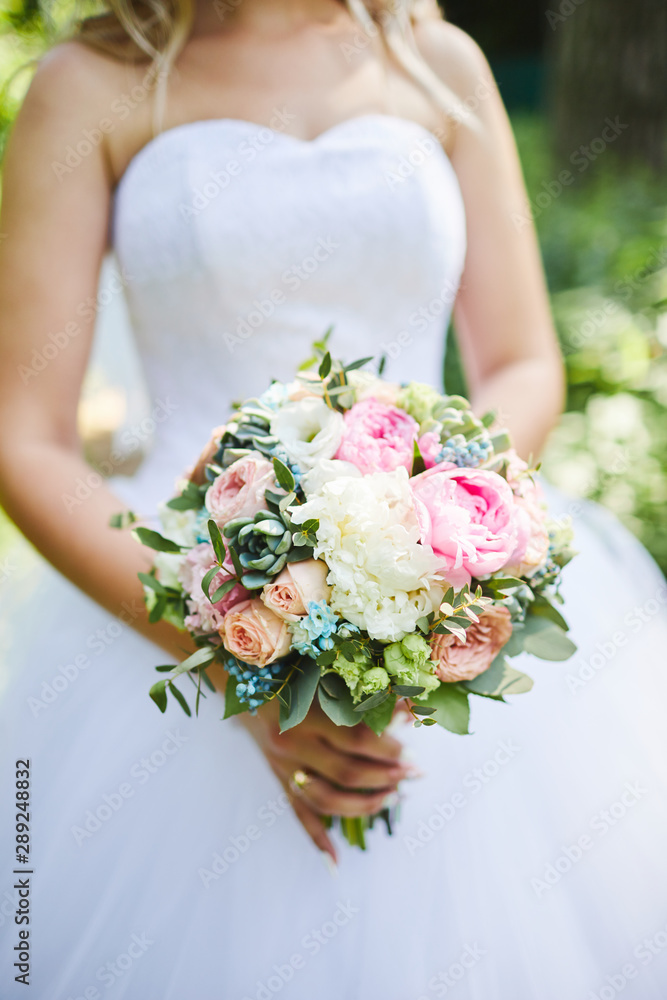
column 253, row 684
column 320, row 622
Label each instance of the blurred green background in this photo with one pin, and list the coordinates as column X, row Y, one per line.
column 603, row 236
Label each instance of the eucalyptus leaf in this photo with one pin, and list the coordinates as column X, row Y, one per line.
column 547, row 641
column 159, row 694
column 499, row 679
column 336, row 701
column 301, row 688
column 408, row 690
column 180, row 698
column 284, row 476
column 452, row 710
column 216, row 541
column 154, row 540
column 378, row 718
column 373, row 701
column 199, row 658
column 325, row 366
column 233, row 706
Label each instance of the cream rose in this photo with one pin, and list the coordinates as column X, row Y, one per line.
column 298, row 584
column 456, row 660
column 253, row 634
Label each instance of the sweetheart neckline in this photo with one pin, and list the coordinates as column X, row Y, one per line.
column 316, row 141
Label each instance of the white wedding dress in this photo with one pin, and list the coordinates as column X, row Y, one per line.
column 530, row 863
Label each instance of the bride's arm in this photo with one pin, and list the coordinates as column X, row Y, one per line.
column 54, row 225
column 502, row 317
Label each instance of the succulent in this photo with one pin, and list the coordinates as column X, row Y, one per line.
column 263, row 546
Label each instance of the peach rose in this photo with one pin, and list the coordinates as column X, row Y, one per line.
column 239, row 490
column 254, row 634
column 456, row 660
column 298, row 584
column 299, row 390
column 197, row 474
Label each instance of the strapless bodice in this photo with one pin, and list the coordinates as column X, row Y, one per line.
column 241, row 245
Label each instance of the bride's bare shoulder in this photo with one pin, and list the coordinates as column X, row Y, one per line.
column 453, row 55
column 70, row 100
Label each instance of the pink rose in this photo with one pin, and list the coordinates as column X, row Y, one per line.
column 203, row 615
column 298, row 584
column 456, row 660
column 377, row 437
column 430, row 447
column 254, row 634
column 467, row 516
column 239, row 490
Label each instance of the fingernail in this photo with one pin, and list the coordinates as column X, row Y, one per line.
column 413, row 772
column 329, row 863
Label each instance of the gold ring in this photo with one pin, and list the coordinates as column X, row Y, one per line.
column 299, row 779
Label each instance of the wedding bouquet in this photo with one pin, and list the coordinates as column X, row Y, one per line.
column 358, row 542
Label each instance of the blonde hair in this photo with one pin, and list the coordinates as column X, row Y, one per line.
column 157, row 30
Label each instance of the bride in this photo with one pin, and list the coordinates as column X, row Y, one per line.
column 264, row 169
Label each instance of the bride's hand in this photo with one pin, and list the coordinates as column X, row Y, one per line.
column 348, row 771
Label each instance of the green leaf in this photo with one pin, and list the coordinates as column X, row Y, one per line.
column 325, row 365
column 336, row 701
column 542, row 607
column 122, row 520
column 199, row 658
column 154, row 540
column 499, row 679
column 545, row 639
column 208, row 579
column 217, row 542
column 284, row 475
column 501, row 584
column 452, row 710
column 185, row 502
column 357, row 364
column 159, row 694
column 149, row 580
column 232, row 704
column 372, row 701
column 378, row 718
column 418, row 464
column 299, row 694
column 423, row 710
column 408, row 690
column 180, row 698
column 158, row 609
column 223, row 589
column 236, row 562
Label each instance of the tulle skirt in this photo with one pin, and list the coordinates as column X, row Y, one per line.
column 529, row 862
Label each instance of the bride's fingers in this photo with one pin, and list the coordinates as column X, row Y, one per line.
column 312, row 824
column 322, row 797
column 361, row 741
column 353, row 772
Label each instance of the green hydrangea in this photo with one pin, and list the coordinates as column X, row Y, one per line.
column 419, row 400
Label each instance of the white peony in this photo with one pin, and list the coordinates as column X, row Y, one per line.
column 367, row 386
column 382, row 578
column 325, row 471
column 309, row 430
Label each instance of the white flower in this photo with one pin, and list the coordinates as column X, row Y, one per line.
column 167, row 568
column 309, row 431
column 381, row 576
column 367, row 386
column 178, row 525
column 325, row 471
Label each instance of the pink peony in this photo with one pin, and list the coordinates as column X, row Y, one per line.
column 299, row 583
column 203, row 615
column 468, row 518
column 377, row 437
column 456, row 660
column 254, row 634
column 239, row 490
